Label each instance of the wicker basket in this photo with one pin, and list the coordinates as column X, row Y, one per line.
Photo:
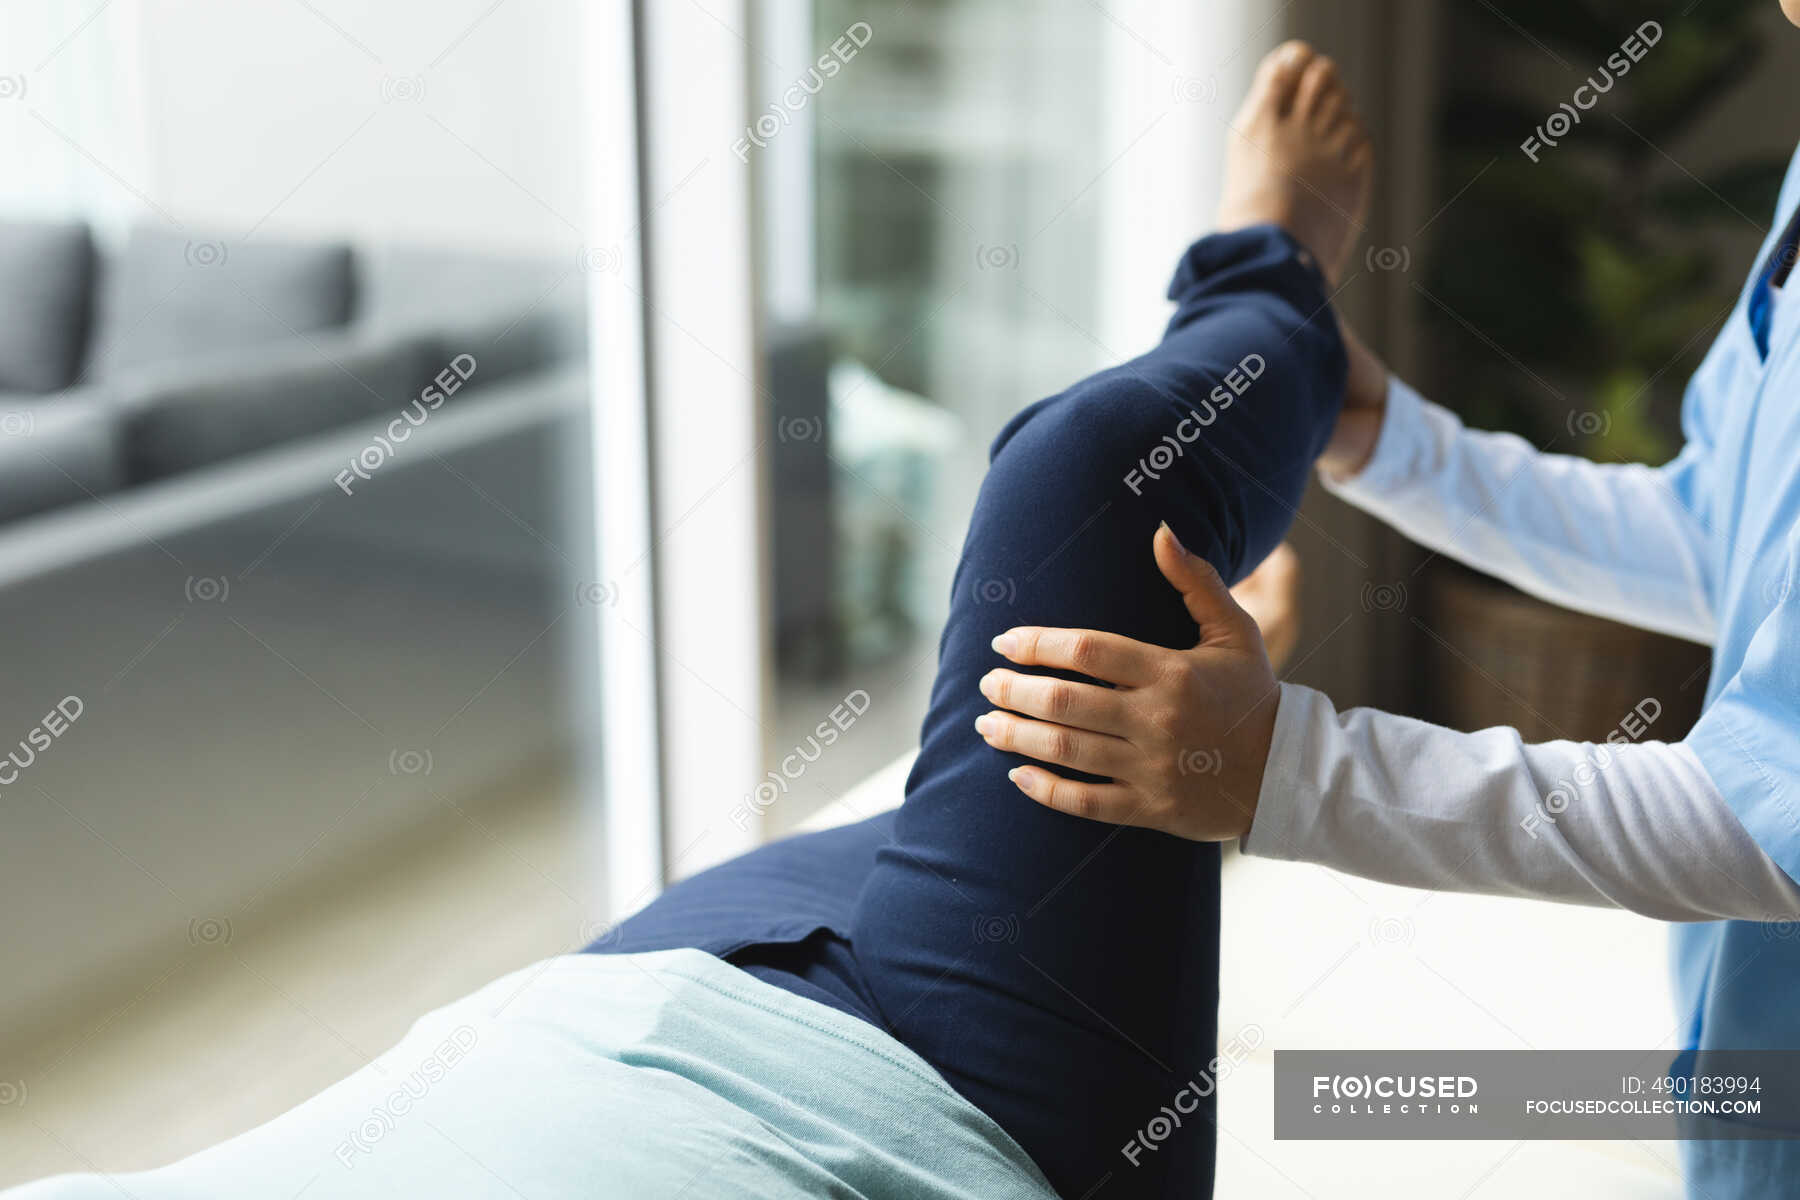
column 1495, row 656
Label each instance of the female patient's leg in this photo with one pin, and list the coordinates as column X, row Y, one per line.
column 1063, row 974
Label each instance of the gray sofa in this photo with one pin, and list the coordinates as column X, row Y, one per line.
column 175, row 353
column 276, row 678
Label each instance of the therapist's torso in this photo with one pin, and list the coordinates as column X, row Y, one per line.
column 1738, row 982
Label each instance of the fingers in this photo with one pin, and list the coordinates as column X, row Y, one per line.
column 1091, row 801
column 1208, row 600
column 1089, row 652
column 1095, row 753
column 1079, row 705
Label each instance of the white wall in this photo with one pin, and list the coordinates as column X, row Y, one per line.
column 440, row 120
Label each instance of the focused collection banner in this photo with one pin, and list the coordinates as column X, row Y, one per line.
column 1549, row 1095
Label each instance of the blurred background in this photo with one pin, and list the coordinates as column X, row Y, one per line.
column 457, row 459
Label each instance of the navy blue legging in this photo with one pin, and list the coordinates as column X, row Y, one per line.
column 1061, row 974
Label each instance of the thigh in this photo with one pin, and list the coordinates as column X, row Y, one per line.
column 1062, row 974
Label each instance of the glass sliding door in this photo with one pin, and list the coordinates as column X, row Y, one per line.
column 997, row 195
column 318, row 303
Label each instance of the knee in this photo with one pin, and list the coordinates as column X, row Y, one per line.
column 1119, row 453
column 1110, row 436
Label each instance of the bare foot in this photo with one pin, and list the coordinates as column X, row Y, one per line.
column 1299, row 156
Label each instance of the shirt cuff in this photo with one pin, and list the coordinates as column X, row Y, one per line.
column 1286, row 810
column 1397, row 448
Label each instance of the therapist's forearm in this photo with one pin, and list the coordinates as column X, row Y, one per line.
column 1610, row 539
column 1636, row 826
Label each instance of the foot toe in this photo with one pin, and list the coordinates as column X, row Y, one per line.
column 1332, row 110
column 1280, row 72
column 1318, row 82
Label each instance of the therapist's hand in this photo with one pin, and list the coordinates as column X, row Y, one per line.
column 1182, row 734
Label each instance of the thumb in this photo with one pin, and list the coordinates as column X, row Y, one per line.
column 1215, row 610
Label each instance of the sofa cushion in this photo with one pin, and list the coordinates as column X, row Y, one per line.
column 46, row 280
column 57, row 453
column 515, row 313
column 504, row 349
column 167, row 296
column 179, row 419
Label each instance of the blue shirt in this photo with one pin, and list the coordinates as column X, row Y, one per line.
column 1738, row 982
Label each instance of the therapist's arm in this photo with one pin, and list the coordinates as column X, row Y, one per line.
column 1633, row 822
column 1610, row 539
column 1638, row 825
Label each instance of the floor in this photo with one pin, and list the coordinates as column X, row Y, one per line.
column 898, row 690
column 1318, row 960
column 227, row 1036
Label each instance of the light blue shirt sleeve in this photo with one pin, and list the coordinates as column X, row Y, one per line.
column 1749, row 737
